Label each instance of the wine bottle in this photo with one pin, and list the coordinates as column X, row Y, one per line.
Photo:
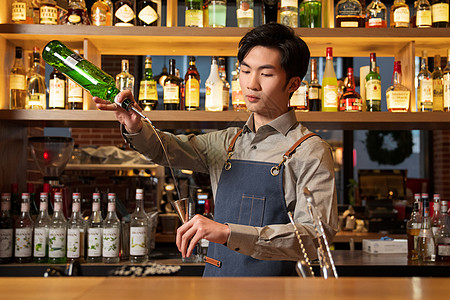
column 111, row 232
column 41, row 230
column 425, row 85
column 6, row 229
column 171, row 88
column 57, row 90
column 124, row 13
column 48, row 13
column 75, row 231
column 36, row 89
column 226, row 85
column 192, row 86
column 373, row 86
column 138, row 231
column 148, row 95
column 314, row 89
column 76, row 14
column 124, row 80
column 24, row 232
column 101, row 14
column 147, row 13
column 214, row 88
column 193, row 13
column 440, row 13
column 57, row 233
column 329, row 84
column 94, row 232
column 437, row 77
column 17, row 82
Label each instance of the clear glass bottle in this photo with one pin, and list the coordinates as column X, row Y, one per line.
column 397, row 95
column 36, row 98
column 124, row 80
column 349, row 14
column 111, row 233
column 423, row 14
column 329, row 84
column 214, row 88
column 24, row 232
column 22, row 12
column 314, row 89
column 94, row 231
column 57, row 90
column 443, row 235
column 124, row 13
column 101, row 14
column 76, row 227
column 436, row 214
column 426, row 244
column 289, row 13
column 148, row 94
column 412, row 231
column 425, row 85
column 57, row 233
column 310, row 12
column 77, row 14
column 147, row 13
column 373, row 86
column 192, row 86
column 440, row 13
column 18, row 82
column 446, row 83
column 244, row 13
column 193, row 13
column 48, row 13
column 237, row 97
column 217, row 13
column 6, row 230
column 138, row 231
column 41, row 231
column 171, row 88
column 437, row 77
column 226, row 85
column 399, row 16
column 299, row 99
column 350, row 100
column 376, row 15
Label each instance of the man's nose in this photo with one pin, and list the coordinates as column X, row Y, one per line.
column 253, row 82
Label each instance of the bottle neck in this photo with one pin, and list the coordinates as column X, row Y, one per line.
column 313, row 72
column 125, row 66
column 397, row 77
column 172, row 69
column 373, row 65
column 424, row 63
column 139, row 205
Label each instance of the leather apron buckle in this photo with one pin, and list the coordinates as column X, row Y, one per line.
column 275, row 171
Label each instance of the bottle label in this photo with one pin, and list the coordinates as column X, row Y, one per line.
column 57, row 93
column 374, row 22
column 43, row 205
column 19, row 11
column 226, row 97
column 138, row 241
column 111, row 242
column 125, row 14
column 148, row 15
column 57, row 242
column 289, row 3
column 349, row 24
column 373, row 89
column 426, row 91
column 36, row 99
column 440, row 13
column 446, row 90
column 401, row 15
column 437, row 88
column 6, row 242
column 314, row 93
column 194, row 18
column 237, row 97
column 299, row 97
column 398, row 99
column 58, row 206
column 25, row 207
column 73, row 242
column 73, row 60
column 6, row 205
column 423, row 18
column 95, row 206
column 17, row 82
column 244, row 14
column 22, row 246
column 74, row 19
column 171, row 93
column 192, row 92
column 48, row 15
column 147, row 90
column 76, row 206
column 204, row 243
column 111, row 206
column 94, row 242
column 99, row 17
column 330, row 96
column 40, row 241
column 444, row 249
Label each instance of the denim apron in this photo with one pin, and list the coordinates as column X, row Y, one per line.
column 249, row 193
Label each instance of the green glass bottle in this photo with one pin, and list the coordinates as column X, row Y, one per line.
column 148, row 95
column 373, row 86
column 310, row 12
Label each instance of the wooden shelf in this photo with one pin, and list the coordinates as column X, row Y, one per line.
column 216, row 120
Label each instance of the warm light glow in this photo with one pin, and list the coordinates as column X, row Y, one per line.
column 46, row 156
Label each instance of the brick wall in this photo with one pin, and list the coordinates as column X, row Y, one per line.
column 441, row 163
column 97, row 136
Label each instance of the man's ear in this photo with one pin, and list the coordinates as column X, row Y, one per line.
column 294, row 84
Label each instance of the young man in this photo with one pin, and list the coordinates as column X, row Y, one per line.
column 258, row 173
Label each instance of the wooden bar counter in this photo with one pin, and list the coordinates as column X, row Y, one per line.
column 194, row 288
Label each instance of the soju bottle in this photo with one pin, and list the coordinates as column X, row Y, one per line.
column 138, row 231
column 94, row 245
column 57, row 233
column 75, row 231
column 111, row 232
column 24, row 232
column 41, row 229
column 6, row 230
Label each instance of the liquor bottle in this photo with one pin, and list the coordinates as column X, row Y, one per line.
column 192, row 86
column 6, row 230
column 270, row 11
column 310, row 12
column 193, row 13
column 376, row 15
column 205, row 13
column 48, row 13
column 399, row 16
column 299, row 99
column 426, row 246
column 446, row 84
column 349, row 13
column 373, row 86
column 171, row 88
column 76, row 14
column 41, row 231
column 147, row 13
column 237, row 97
column 329, row 84
column 22, row 12
column 101, row 14
column 397, row 95
column 437, row 77
column 435, row 213
column 350, row 100
column 75, row 231
column 94, row 231
column 443, row 235
column 124, row 13
column 423, row 14
column 289, row 13
column 202, row 246
column 214, row 88
column 217, row 13
column 18, row 82
column 244, row 13
column 412, row 19
column 111, row 232
column 124, row 80
column 57, row 233
column 138, row 231
column 439, row 13
column 24, row 232
column 314, row 89
column 148, row 95
column 57, row 90
column 425, row 85
column 35, row 85
column 412, row 231
column 226, row 85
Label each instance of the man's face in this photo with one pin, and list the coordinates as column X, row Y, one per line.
column 263, row 82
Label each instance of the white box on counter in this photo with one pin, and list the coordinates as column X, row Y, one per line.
column 385, row 246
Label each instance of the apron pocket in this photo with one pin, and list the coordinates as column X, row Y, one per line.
column 252, row 210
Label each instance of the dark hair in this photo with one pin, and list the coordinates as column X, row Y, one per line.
column 294, row 51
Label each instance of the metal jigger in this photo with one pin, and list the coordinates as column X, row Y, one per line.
column 182, row 208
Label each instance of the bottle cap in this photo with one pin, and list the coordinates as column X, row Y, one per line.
column 111, row 195
column 6, row 196
column 329, row 52
column 43, row 195
column 373, row 56
column 58, row 195
column 76, row 195
column 96, row 196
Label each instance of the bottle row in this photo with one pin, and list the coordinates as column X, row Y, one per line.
column 429, row 233
column 213, row 13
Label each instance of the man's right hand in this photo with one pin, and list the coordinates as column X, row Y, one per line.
column 129, row 119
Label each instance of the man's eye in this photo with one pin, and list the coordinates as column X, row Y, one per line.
column 266, row 75
column 245, row 72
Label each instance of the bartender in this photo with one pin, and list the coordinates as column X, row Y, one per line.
column 257, row 172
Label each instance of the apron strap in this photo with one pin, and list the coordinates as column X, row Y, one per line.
column 233, row 141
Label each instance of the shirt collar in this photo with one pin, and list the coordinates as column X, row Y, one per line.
column 282, row 124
